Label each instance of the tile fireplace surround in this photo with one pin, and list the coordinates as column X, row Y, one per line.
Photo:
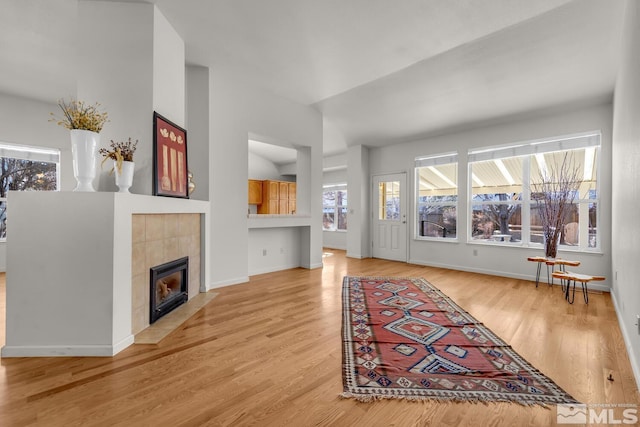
column 75, row 274
column 160, row 238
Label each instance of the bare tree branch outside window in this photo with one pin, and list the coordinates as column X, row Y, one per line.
column 23, row 175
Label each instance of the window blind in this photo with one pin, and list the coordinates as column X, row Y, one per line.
column 435, row 160
column 334, row 187
column 35, row 154
column 568, row 142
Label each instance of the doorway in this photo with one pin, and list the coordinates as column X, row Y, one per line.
column 390, row 217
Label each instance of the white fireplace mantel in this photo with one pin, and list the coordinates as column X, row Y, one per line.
column 69, row 270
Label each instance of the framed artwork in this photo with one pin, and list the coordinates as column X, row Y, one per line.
column 169, row 158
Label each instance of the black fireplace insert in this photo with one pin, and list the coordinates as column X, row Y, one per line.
column 168, row 287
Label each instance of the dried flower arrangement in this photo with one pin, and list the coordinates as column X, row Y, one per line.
column 119, row 152
column 553, row 192
column 78, row 115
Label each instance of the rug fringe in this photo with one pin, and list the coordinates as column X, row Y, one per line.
column 368, row 398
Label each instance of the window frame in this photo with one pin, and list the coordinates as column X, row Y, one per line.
column 32, row 154
column 527, row 150
column 336, row 207
column 449, row 158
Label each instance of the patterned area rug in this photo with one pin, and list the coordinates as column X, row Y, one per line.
column 402, row 338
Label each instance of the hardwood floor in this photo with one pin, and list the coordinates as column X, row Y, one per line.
column 268, row 353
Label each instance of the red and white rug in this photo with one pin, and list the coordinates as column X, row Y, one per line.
column 404, row 339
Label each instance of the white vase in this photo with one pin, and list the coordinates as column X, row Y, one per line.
column 84, row 147
column 124, row 178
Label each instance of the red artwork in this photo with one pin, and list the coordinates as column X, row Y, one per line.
column 170, row 158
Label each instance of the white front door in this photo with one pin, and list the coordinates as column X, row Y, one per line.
column 390, row 217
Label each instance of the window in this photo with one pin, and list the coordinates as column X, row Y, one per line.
column 437, row 196
column 334, row 208
column 503, row 182
column 389, row 200
column 25, row 168
column 496, row 199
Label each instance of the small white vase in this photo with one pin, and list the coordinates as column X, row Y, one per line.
column 124, row 178
column 84, row 147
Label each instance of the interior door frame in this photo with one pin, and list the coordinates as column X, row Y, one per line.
column 404, row 205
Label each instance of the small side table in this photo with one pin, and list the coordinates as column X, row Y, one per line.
column 550, row 262
column 584, row 279
column 563, row 268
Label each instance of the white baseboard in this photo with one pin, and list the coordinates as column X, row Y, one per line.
column 313, row 266
column 627, row 341
column 66, row 351
column 532, row 278
column 357, row 256
column 272, row 269
column 118, row 347
column 336, row 247
column 234, row 281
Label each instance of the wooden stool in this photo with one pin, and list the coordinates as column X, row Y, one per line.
column 575, row 277
column 563, row 268
column 550, row 262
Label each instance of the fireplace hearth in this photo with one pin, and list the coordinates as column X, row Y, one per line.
column 168, row 287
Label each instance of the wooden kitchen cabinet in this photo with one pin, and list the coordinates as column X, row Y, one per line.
column 283, row 200
column 283, row 189
column 292, row 197
column 270, row 197
column 278, row 197
column 255, row 192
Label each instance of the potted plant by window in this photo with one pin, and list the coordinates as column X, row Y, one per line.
column 85, row 123
column 122, row 155
column 554, row 190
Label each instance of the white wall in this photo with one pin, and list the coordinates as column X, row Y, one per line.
column 119, row 75
column 505, row 261
column 168, row 71
column 238, row 109
column 335, row 239
column 261, row 168
column 626, row 187
column 335, row 177
column 197, row 119
column 273, row 249
column 25, row 121
column 133, row 64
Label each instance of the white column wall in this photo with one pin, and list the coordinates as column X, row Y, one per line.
column 625, row 227
column 502, row 260
column 168, row 71
column 238, row 109
column 197, row 119
column 137, row 68
column 359, row 187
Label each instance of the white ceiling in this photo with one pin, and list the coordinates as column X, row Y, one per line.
column 380, row 71
column 276, row 154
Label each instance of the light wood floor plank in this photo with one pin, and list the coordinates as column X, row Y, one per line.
column 268, row 353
